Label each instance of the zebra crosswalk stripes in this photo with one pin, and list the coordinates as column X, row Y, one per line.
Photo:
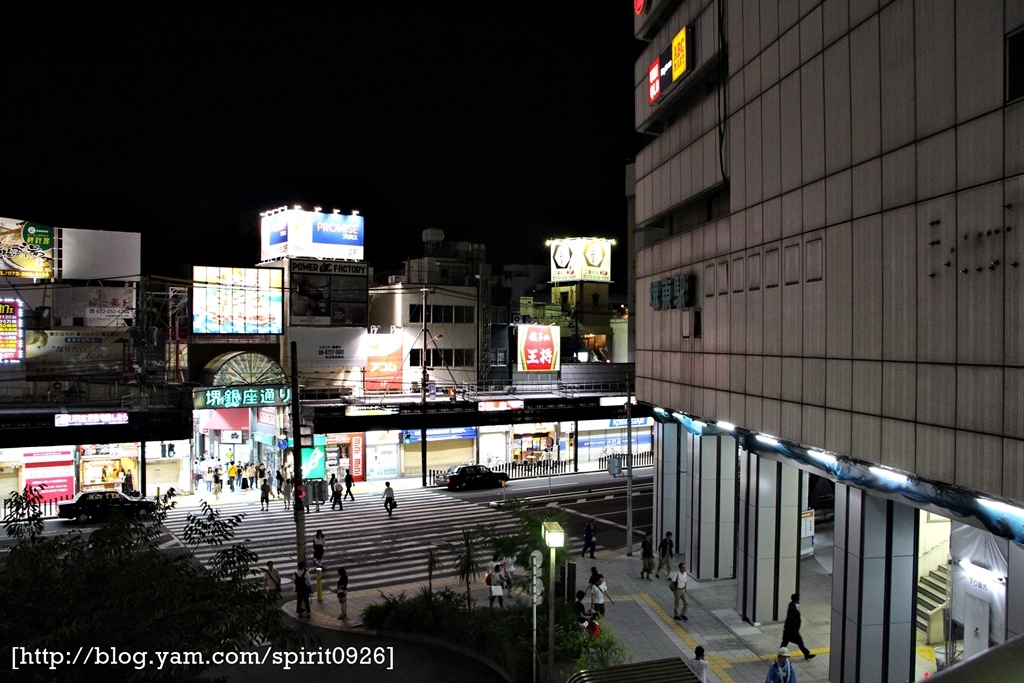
column 376, row 551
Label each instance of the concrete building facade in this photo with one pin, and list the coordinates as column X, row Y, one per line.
column 829, row 280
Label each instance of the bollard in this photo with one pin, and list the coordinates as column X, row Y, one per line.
column 319, row 584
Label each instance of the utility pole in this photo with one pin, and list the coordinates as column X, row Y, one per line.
column 423, row 388
column 629, row 467
column 297, row 443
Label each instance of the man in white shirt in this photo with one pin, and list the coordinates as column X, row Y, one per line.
column 677, row 581
column 598, row 594
column 389, row 497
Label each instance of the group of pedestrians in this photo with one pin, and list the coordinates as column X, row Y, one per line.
column 338, row 493
column 304, row 581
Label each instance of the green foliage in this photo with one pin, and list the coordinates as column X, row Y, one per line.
column 466, row 564
column 597, row 653
column 501, row 635
column 117, row 589
column 23, row 519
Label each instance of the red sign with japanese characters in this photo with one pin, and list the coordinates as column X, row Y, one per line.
column 538, row 348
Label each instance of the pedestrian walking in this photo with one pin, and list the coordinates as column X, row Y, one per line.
column 589, row 538
column 389, row 498
column 279, row 477
column 265, row 496
column 593, row 577
column 232, row 475
column 217, row 483
column 599, row 594
column 665, row 550
column 286, row 494
column 251, row 471
column 272, row 579
column 319, row 546
column 336, row 493
column 698, row 665
column 342, row 591
column 647, row 556
column 348, row 485
column 497, row 581
column 781, row 670
column 791, row 629
column 302, row 591
column 677, row 581
column 208, row 478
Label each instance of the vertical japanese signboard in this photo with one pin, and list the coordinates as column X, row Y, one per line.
column 12, row 337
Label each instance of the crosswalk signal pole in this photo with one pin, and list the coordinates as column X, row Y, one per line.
column 298, row 442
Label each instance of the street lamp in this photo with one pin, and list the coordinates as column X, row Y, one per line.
column 554, row 538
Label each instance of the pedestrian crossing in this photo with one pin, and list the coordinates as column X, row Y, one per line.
column 376, row 551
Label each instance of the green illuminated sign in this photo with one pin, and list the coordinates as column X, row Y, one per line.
column 254, row 396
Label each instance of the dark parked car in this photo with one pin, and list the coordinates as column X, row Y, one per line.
column 470, row 476
column 101, row 504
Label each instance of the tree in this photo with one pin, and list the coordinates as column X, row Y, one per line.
column 433, row 564
column 117, row 592
column 466, row 564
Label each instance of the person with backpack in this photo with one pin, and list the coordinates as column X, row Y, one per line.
column 302, row 591
column 497, row 580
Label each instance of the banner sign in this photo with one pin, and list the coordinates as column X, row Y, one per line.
column 328, row 293
column 439, row 434
column 581, row 260
column 97, row 306
column 54, row 471
column 26, row 249
column 539, row 347
column 64, row 352
column 672, row 64
column 291, row 233
column 252, row 396
column 237, row 300
column 383, row 362
column 89, row 419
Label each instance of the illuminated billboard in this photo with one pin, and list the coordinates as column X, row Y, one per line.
column 12, row 336
column 581, row 259
column 538, row 347
column 69, row 351
column 383, row 362
column 672, row 64
column 294, row 233
column 327, row 293
column 237, row 300
column 26, row 249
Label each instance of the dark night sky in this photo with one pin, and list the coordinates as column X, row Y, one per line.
column 500, row 123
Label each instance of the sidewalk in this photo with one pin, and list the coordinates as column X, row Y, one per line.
column 642, row 618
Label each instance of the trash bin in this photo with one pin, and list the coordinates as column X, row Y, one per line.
column 615, row 466
column 940, row 658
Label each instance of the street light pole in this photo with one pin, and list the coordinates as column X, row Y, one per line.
column 554, row 537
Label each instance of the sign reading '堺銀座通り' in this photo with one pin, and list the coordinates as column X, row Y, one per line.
column 255, row 396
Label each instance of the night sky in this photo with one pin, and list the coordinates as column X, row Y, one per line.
column 499, row 123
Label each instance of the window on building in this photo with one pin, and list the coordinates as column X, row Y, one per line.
column 1015, row 66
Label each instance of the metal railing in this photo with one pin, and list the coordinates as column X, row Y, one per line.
column 544, row 468
column 48, row 508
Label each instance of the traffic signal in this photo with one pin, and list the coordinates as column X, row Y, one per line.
column 406, row 438
column 305, row 436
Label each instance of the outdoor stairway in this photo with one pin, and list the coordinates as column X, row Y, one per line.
column 931, row 595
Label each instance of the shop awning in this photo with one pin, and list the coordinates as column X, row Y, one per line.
column 228, row 418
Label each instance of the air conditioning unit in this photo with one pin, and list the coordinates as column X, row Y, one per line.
column 396, row 279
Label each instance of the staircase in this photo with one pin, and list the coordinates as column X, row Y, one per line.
column 931, row 596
